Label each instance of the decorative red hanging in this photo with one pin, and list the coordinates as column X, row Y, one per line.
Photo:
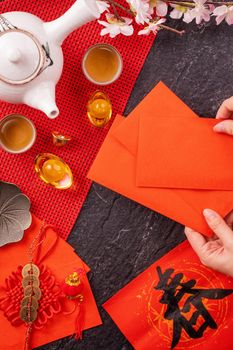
column 49, row 305
column 72, row 287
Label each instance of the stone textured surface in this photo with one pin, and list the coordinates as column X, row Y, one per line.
column 117, row 237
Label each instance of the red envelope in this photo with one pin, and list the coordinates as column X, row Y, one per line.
column 183, row 153
column 176, row 303
column 160, row 102
column 115, row 168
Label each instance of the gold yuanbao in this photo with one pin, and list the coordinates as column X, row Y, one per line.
column 99, row 109
column 59, row 139
column 53, row 171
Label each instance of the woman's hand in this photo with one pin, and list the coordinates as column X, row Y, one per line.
column 215, row 252
column 225, row 113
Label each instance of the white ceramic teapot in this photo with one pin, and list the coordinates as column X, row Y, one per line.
column 31, row 58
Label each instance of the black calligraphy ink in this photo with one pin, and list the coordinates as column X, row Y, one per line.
column 174, row 290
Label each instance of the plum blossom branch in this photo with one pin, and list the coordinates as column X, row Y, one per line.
column 116, row 4
column 152, row 14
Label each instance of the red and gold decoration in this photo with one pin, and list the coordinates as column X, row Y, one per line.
column 177, row 303
column 73, row 288
column 38, row 291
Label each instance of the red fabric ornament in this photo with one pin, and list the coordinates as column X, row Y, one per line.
column 51, row 302
column 72, row 286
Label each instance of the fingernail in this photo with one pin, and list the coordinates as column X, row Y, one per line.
column 209, row 214
column 219, row 128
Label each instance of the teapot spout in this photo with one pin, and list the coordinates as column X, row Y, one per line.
column 82, row 12
column 42, row 97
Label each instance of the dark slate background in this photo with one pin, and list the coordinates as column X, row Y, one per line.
column 117, row 237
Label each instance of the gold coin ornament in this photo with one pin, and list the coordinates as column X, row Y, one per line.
column 30, row 269
column 32, row 293
column 53, row 171
column 26, row 300
column 28, row 314
column 30, row 280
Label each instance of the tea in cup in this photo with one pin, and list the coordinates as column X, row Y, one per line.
column 102, row 64
column 17, row 133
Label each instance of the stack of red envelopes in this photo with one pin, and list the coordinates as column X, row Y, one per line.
column 167, row 158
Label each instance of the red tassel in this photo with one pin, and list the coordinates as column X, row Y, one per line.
column 79, row 322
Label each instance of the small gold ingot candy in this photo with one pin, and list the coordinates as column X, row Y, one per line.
column 30, row 280
column 53, row 171
column 28, row 314
column 60, row 140
column 27, row 300
column 34, row 291
column 99, row 109
column 30, row 269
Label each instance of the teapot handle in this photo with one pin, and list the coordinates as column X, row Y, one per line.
column 80, row 13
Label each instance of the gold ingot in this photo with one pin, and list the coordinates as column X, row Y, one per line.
column 30, row 269
column 26, row 301
column 32, row 291
column 60, row 140
column 30, row 280
column 99, row 109
column 28, row 314
column 53, row 171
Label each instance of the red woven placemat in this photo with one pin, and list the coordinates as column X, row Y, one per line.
column 61, row 208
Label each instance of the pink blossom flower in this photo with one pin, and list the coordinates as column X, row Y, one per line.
column 102, row 6
column 153, row 27
column 113, row 26
column 142, row 10
column 161, row 7
column 199, row 12
column 178, row 11
column 224, row 12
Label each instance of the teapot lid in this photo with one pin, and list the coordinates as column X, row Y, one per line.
column 21, row 56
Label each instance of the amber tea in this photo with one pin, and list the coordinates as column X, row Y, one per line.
column 102, row 64
column 17, row 133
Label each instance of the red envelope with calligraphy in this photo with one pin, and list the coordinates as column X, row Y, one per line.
column 177, row 303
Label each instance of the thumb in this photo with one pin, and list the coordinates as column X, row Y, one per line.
column 225, row 110
column 219, row 226
column 225, row 127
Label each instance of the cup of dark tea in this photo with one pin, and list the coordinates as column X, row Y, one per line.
column 102, row 64
column 17, row 133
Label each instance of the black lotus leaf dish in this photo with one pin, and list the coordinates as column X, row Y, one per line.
column 15, row 216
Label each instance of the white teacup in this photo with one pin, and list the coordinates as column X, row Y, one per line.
column 102, row 64
column 17, row 133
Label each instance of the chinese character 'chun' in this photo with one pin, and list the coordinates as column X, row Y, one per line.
column 174, row 290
